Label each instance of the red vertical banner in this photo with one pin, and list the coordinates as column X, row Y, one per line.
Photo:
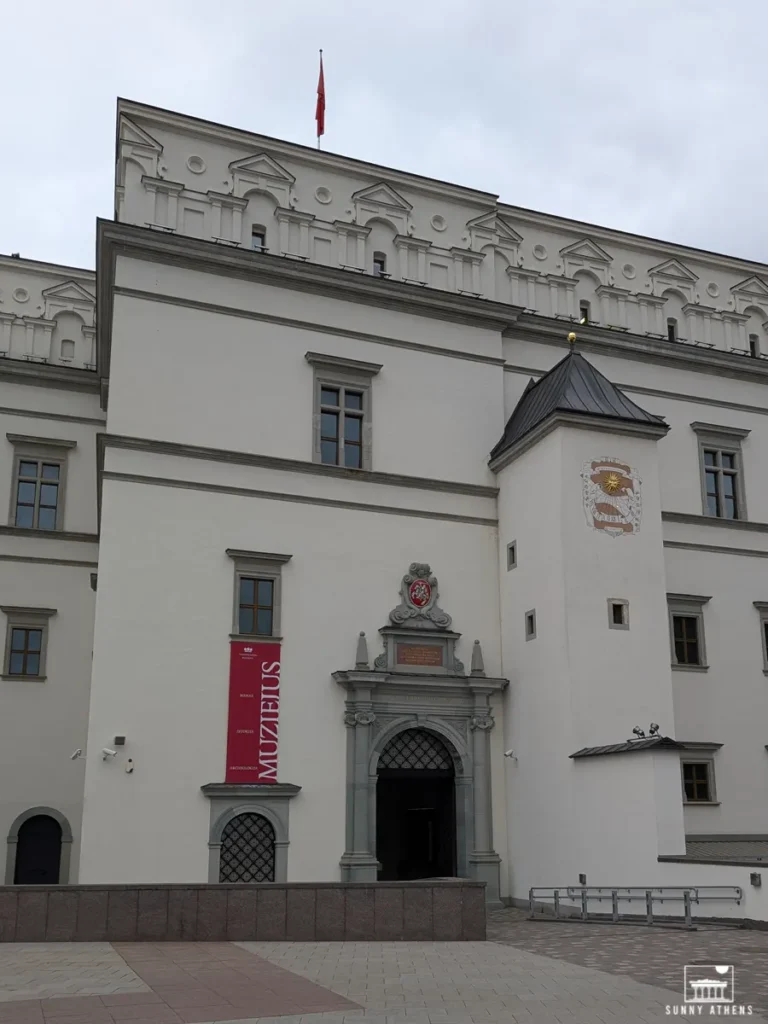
column 254, row 709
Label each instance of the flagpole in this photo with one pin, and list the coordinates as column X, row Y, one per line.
column 320, row 109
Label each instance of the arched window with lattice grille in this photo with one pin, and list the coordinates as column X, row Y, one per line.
column 247, row 850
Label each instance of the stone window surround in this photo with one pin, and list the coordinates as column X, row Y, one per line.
column 339, row 372
column 691, row 606
column 262, row 565
column 725, row 439
column 530, row 634
column 229, row 800
column 762, row 608
column 624, row 624
column 48, row 449
column 512, row 555
column 12, row 842
column 701, row 753
column 26, row 618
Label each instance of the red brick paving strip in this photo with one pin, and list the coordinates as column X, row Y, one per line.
column 191, row 982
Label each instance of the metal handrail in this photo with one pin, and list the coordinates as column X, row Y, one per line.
column 648, row 895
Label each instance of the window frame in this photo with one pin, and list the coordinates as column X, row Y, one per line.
column 762, row 609
column 624, row 604
column 512, row 555
column 709, row 762
column 672, row 332
column 530, row 615
column 688, row 606
column 26, row 618
column 726, row 440
column 754, row 345
column 39, row 449
column 259, row 229
column 264, row 566
column 338, row 373
column 380, row 257
column 585, row 318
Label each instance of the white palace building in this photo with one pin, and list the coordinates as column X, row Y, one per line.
column 328, row 557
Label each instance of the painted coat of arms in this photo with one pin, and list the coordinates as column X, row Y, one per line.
column 612, row 499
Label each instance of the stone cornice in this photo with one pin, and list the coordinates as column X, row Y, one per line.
column 20, row 531
column 178, row 250
column 43, row 375
column 291, row 465
column 226, row 199
column 642, row 348
column 161, row 184
column 690, row 519
column 293, row 216
column 352, row 229
column 244, row 789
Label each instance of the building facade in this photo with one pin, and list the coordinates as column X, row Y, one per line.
column 390, row 576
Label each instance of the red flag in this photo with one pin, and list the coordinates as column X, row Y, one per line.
column 320, row 109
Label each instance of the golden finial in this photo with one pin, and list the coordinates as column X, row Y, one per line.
column 572, row 338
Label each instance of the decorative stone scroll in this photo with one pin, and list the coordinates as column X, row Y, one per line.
column 419, row 605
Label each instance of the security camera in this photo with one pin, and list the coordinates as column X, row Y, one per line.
column 510, row 753
column 107, row 753
column 77, row 753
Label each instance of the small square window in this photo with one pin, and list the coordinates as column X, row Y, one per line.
column 698, row 782
column 512, row 555
column 530, row 625
column 26, row 642
column 618, row 613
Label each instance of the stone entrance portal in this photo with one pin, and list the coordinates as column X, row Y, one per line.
column 415, row 808
column 419, row 688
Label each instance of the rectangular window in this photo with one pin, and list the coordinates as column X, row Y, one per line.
column 584, row 311
column 754, row 346
column 698, row 782
column 762, row 608
column 530, row 625
column 722, row 478
column 37, row 493
column 26, row 642
column 258, row 238
column 512, row 555
column 380, row 265
column 618, row 613
column 258, row 592
column 342, row 411
column 672, row 329
column 686, row 616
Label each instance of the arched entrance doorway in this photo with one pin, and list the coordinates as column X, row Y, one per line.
column 38, row 853
column 415, row 808
column 247, row 850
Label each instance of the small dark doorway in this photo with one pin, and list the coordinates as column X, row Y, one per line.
column 38, row 852
column 415, row 808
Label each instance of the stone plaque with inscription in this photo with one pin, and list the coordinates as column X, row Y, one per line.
column 422, row 655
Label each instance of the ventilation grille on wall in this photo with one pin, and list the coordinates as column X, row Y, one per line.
column 416, row 749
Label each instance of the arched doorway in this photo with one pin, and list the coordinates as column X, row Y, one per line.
column 247, row 850
column 415, row 808
column 38, row 852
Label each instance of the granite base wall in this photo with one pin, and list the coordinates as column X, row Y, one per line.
column 333, row 912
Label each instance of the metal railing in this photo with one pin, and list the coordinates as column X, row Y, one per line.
column 579, row 898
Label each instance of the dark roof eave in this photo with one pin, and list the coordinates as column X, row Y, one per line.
column 500, row 457
column 630, row 747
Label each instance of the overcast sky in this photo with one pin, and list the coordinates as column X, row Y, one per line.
column 644, row 115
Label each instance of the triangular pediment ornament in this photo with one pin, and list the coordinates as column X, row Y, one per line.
column 586, row 249
column 491, row 221
column 71, row 291
column 261, row 165
column 382, row 194
column 674, row 269
column 752, row 286
column 130, row 132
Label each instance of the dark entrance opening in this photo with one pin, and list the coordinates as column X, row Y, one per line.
column 415, row 808
column 38, row 852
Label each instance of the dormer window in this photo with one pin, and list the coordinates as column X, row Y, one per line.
column 754, row 346
column 671, row 329
column 259, row 238
column 380, row 265
column 584, row 316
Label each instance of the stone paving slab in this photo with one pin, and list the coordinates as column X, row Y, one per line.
column 655, row 955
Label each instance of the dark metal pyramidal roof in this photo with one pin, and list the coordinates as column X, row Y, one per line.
column 572, row 386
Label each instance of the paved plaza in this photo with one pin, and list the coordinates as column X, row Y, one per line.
column 527, row 973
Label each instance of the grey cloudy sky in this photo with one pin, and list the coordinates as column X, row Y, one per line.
column 645, row 115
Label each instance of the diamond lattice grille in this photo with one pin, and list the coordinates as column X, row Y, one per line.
column 418, row 749
column 247, row 850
